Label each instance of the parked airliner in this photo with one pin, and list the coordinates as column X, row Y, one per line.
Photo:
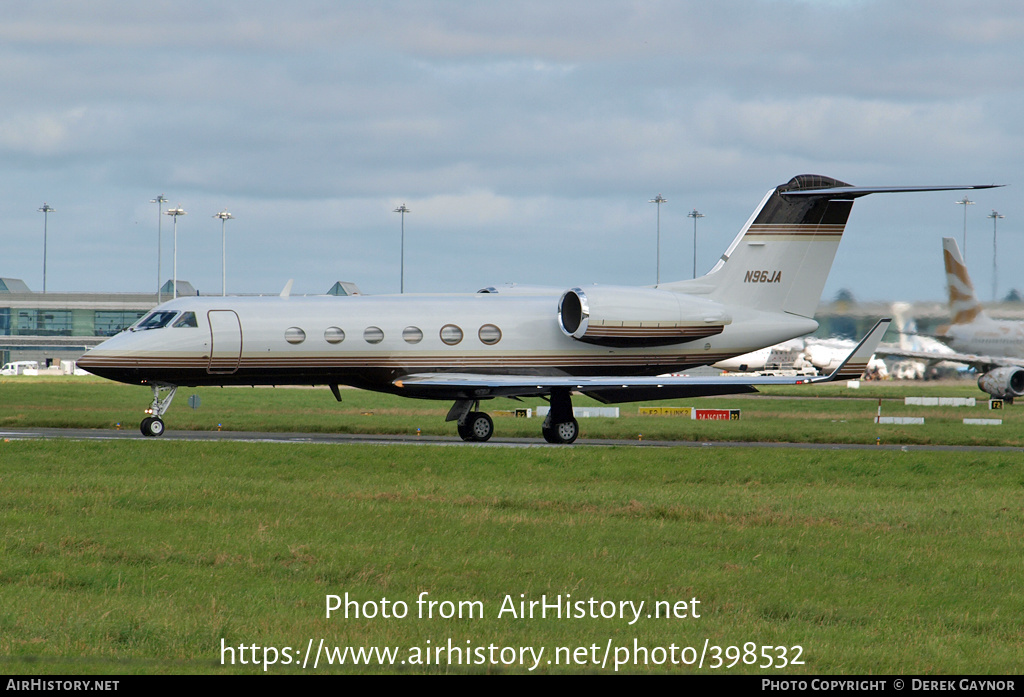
column 612, row 343
column 993, row 346
column 808, row 356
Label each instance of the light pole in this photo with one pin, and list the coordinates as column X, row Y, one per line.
column 174, row 213
column 45, row 210
column 403, row 210
column 659, row 199
column 965, row 202
column 995, row 217
column 695, row 214
column 224, row 218
column 159, row 201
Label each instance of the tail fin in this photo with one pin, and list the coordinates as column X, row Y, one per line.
column 782, row 256
column 780, row 260
column 964, row 307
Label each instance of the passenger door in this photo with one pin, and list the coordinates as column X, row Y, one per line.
column 225, row 341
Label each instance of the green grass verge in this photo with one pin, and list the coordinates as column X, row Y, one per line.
column 829, row 413
column 141, row 556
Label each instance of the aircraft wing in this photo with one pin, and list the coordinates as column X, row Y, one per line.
column 629, row 388
column 983, row 363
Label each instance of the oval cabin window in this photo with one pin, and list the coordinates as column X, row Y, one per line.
column 450, row 334
column 294, row 335
column 334, row 335
column 412, row 335
column 489, row 334
column 373, row 335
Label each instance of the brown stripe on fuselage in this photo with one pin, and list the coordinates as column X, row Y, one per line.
column 282, row 369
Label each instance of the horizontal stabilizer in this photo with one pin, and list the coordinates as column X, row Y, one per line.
column 856, row 191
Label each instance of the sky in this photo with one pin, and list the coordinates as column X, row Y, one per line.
column 526, row 138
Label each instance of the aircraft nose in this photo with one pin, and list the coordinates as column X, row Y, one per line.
column 110, row 364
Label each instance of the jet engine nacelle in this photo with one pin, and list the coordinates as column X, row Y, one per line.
column 624, row 317
column 1003, row 383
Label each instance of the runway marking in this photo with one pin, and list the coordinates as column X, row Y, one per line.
column 447, row 441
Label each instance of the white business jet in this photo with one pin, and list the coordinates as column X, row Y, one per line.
column 612, row 343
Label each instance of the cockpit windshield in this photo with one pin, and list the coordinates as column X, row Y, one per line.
column 187, row 319
column 156, row 320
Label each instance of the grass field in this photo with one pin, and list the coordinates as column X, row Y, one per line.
column 827, row 413
column 143, row 556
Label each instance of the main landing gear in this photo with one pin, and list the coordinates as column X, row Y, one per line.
column 560, row 426
column 477, row 427
column 474, row 426
column 564, row 432
column 153, row 425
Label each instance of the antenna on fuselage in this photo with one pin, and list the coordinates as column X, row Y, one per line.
column 287, row 288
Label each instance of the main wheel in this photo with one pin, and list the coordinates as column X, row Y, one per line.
column 478, row 427
column 565, row 432
column 568, row 431
column 152, row 426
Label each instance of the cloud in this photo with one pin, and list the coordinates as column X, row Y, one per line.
column 530, row 133
column 834, row 127
column 38, row 134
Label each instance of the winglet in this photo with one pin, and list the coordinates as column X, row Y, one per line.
column 857, row 362
column 287, row 288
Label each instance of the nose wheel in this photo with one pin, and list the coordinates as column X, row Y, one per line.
column 152, row 426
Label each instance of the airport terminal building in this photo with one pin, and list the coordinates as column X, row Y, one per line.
column 51, row 327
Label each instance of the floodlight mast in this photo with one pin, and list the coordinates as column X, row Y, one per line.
column 965, row 202
column 159, row 201
column 401, row 283
column 695, row 214
column 995, row 217
column 659, row 199
column 45, row 210
column 224, row 218
column 174, row 213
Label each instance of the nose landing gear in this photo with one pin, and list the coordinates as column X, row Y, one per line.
column 153, row 425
